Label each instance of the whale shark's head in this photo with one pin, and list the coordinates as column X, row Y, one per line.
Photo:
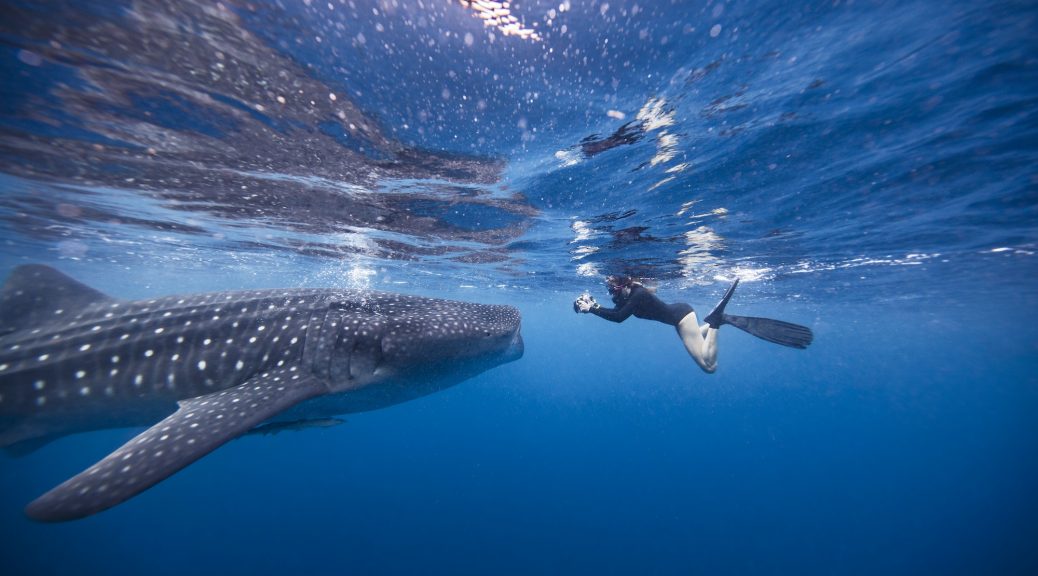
column 456, row 332
column 413, row 336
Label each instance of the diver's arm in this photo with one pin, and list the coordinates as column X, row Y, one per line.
column 618, row 314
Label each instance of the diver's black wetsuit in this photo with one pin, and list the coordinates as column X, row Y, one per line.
column 644, row 304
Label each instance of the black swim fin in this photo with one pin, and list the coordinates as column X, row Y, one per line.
column 777, row 331
column 716, row 316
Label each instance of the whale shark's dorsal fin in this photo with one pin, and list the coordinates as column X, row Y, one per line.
column 34, row 293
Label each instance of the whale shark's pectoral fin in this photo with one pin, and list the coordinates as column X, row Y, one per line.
column 198, row 427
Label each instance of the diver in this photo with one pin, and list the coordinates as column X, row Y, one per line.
column 633, row 298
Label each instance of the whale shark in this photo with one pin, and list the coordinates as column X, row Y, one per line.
column 203, row 369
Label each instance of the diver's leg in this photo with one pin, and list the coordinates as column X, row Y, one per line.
column 700, row 342
column 709, row 335
column 703, row 330
column 710, row 345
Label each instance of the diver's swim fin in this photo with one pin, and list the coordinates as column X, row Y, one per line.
column 777, row 331
column 716, row 316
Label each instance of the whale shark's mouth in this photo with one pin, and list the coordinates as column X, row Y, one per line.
column 516, row 347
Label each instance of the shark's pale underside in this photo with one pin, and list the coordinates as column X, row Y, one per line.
column 211, row 367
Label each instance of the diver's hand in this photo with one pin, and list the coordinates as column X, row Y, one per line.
column 584, row 303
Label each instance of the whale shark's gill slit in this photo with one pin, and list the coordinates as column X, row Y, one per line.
column 365, row 357
column 354, row 357
column 341, row 358
column 377, row 353
column 350, row 359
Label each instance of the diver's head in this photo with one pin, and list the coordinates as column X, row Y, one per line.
column 619, row 287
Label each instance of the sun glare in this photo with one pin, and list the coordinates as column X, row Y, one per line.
column 499, row 16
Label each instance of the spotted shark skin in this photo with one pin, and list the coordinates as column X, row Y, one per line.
column 211, row 367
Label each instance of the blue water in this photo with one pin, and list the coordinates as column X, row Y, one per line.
column 866, row 168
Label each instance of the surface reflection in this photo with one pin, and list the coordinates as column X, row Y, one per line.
column 182, row 104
